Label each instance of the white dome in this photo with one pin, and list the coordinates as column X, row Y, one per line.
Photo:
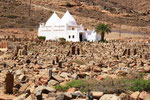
column 68, row 19
column 54, row 19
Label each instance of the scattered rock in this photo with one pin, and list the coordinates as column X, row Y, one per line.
column 97, row 95
column 109, row 97
column 52, row 82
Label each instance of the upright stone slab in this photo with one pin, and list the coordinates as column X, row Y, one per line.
column 57, row 59
column 9, row 83
column 19, row 52
column 4, row 44
column 128, row 52
column 25, row 50
column 1, row 44
column 50, row 73
column 53, row 62
column 124, row 53
column 60, row 64
column 135, row 52
column 73, row 49
column 16, row 51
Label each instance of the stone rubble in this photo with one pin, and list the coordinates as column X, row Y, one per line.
column 37, row 66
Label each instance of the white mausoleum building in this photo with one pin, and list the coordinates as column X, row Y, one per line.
column 67, row 28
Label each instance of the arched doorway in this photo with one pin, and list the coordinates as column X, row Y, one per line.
column 80, row 36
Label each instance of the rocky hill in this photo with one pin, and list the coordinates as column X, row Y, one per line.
column 15, row 14
column 131, row 15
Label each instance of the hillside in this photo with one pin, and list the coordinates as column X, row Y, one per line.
column 131, row 15
column 14, row 14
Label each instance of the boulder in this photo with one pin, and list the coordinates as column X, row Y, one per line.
column 22, row 78
column 31, row 87
column 147, row 69
column 74, row 76
column 36, row 66
column 21, row 97
column 97, row 95
column 44, row 89
column 68, row 96
column 52, row 82
column 97, row 69
column 78, row 94
column 43, row 80
column 81, row 75
column 7, row 97
column 134, row 95
column 58, row 78
column 109, row 97
column 29, row 98
column 65, row 75
column 99, row 77
column 63, row 97
column 60, row 97
column 121, row 72
column 144, row 95
column 84, row 68
column 124, row 96
column 18, row 72
column 24, row 87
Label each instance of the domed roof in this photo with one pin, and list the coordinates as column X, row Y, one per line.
column 52, row 20
column 68, row 19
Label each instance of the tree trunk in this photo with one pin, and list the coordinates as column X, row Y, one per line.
column 102, row 36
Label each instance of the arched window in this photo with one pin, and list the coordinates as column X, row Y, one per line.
column 69, row 36
column 72, row 36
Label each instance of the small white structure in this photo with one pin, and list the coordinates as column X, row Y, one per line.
column 67, row 28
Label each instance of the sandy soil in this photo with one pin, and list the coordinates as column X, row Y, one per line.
column 117, row 35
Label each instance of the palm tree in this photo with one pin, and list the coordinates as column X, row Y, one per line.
column 102, row 29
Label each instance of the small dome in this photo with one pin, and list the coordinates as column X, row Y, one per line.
column 52, row 20
column 68, row 19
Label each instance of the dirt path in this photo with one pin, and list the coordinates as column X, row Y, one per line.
column 45, row 8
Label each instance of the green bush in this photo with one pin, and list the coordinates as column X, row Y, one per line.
column 41, row 37
column 62, row 40
column 105, row 41
column 79, row 84
column 140, row 85
column 11, row 16
column 120, row 84
column 108, row 85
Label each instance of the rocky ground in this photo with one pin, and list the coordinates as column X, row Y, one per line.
column 34, row 69
column 15, row 14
